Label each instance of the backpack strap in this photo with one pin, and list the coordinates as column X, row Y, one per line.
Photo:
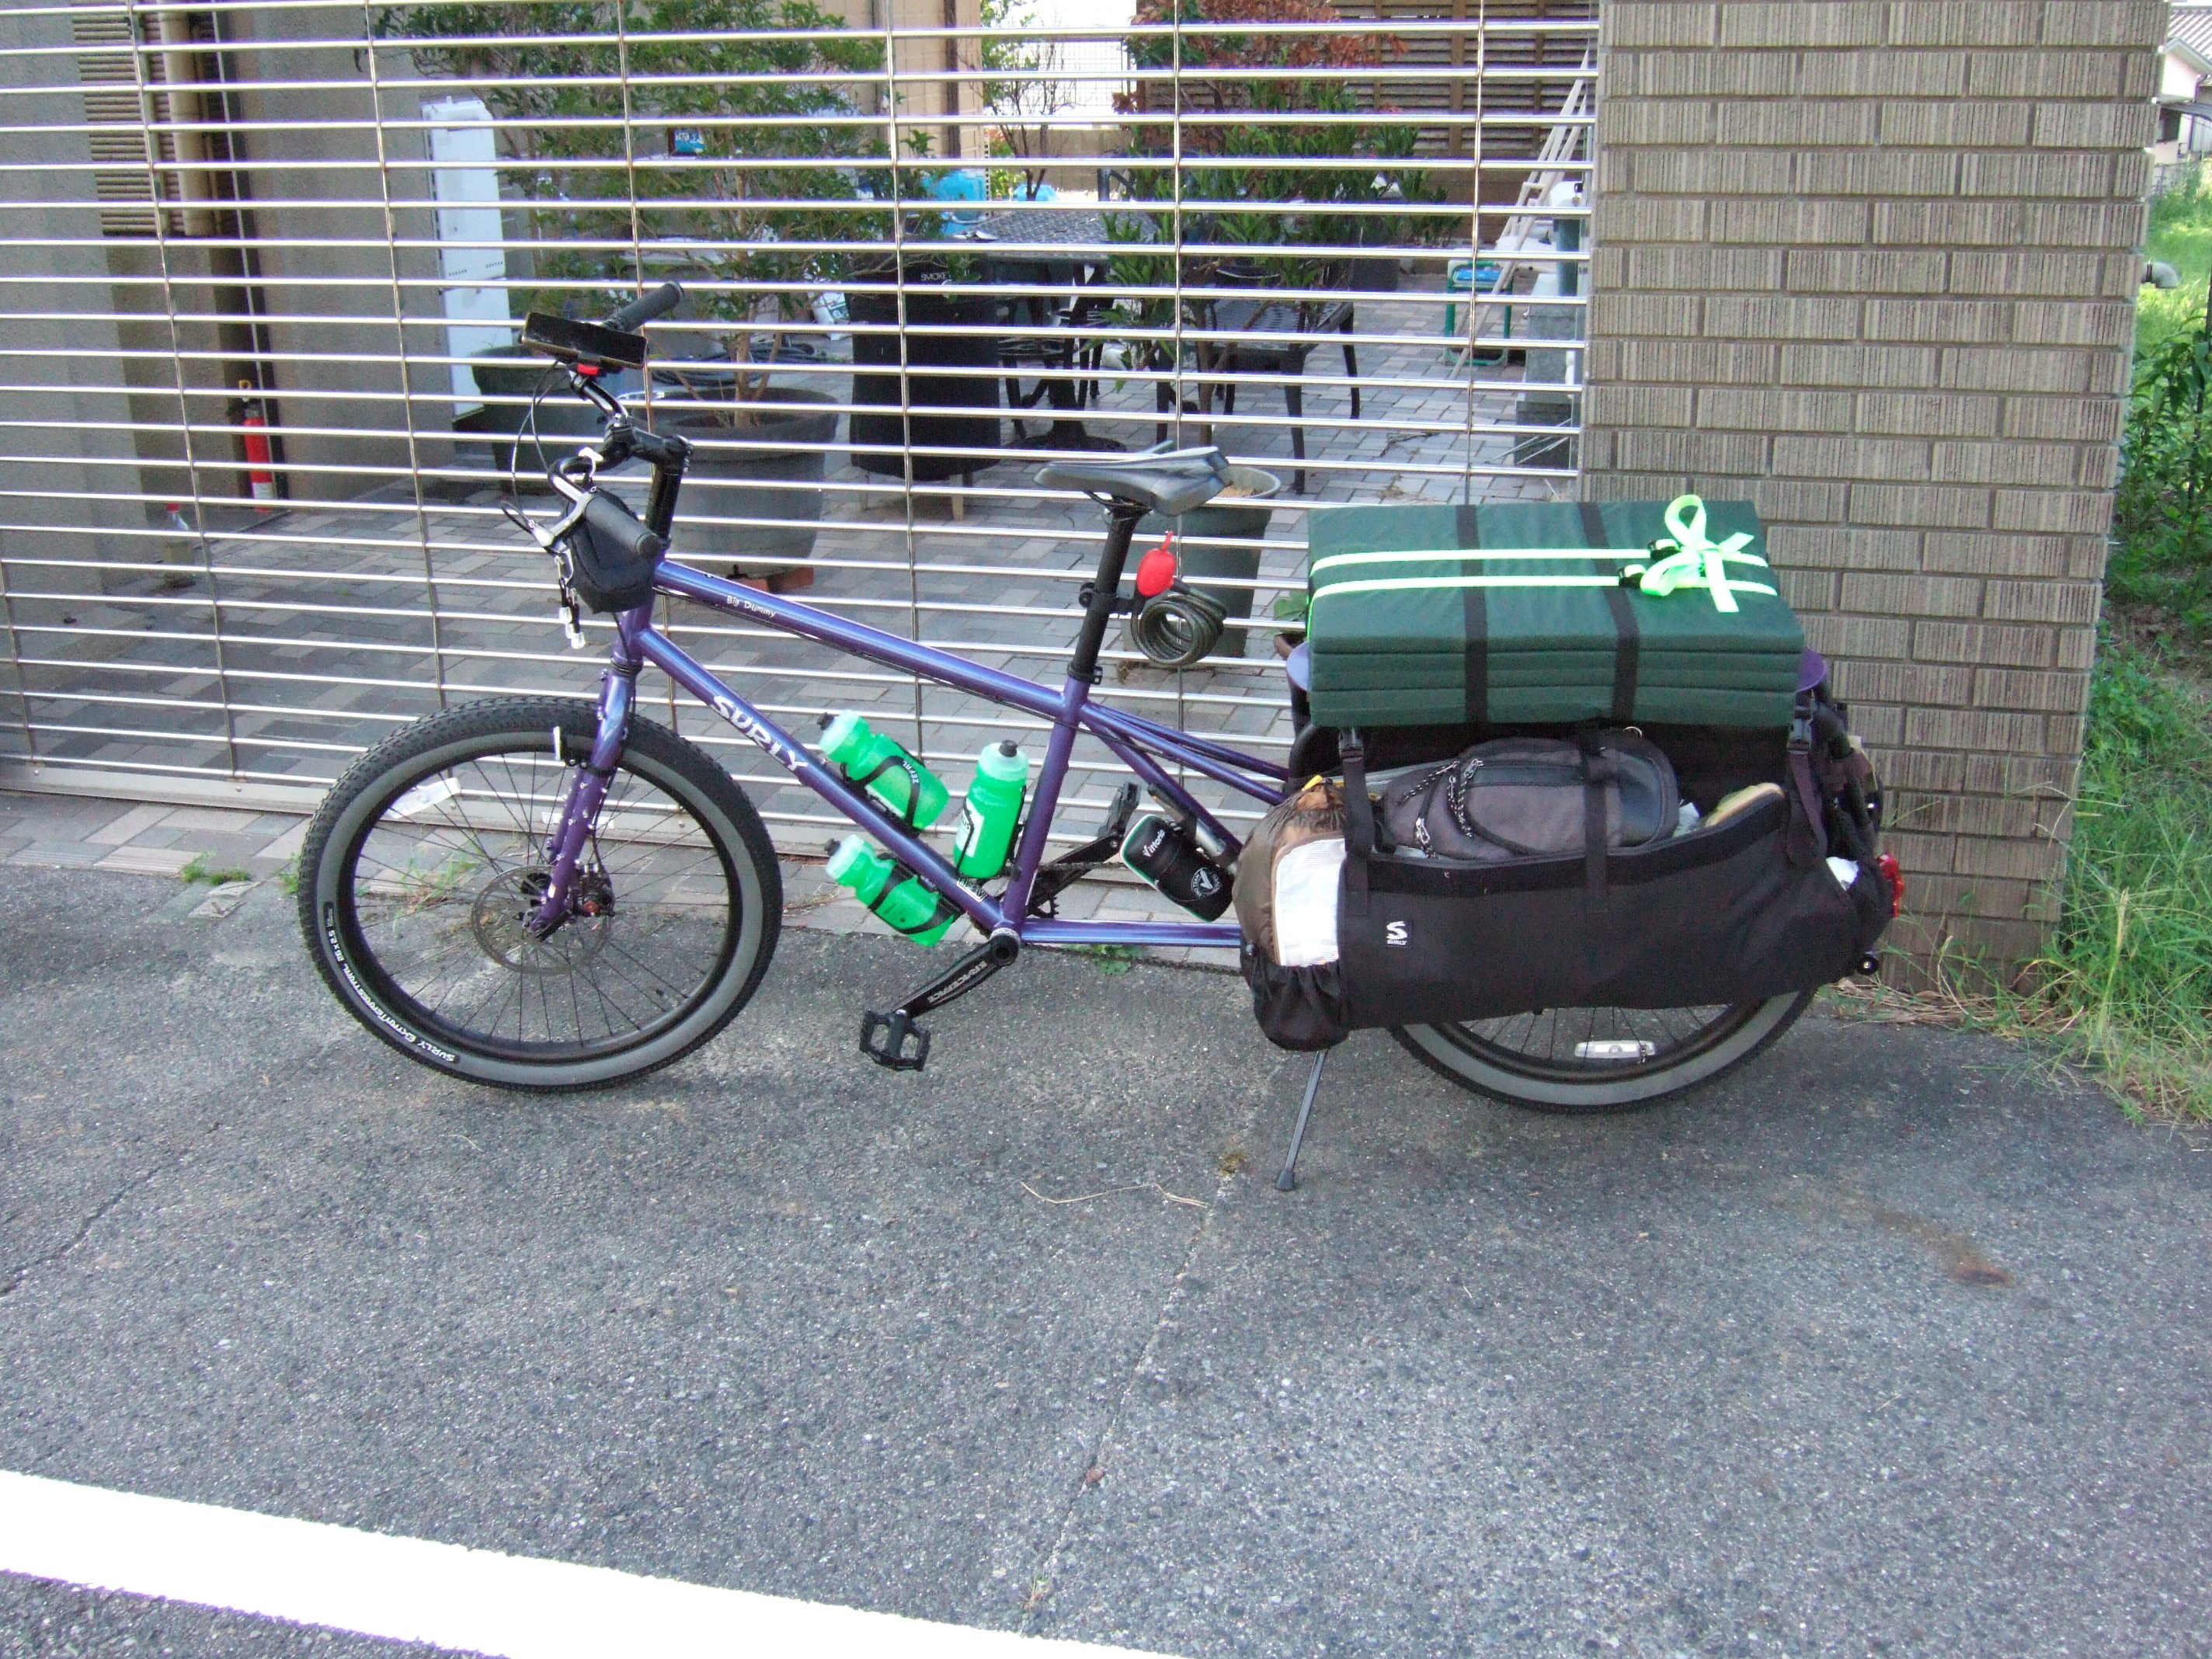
column 1599, row 770
column 1358, row 823
column 1806, row 842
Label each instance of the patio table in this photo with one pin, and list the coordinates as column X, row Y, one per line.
column 1024, row 248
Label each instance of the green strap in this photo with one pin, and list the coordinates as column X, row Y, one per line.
column 1692, row 559
column 1462, row 556
column 1406, row 583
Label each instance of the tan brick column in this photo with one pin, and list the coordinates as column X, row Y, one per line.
column 1872, row 266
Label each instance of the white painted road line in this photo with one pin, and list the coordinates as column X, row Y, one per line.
column 471, row 1600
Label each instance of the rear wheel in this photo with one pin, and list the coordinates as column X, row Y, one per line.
column 1600, row 1060
column 423, row 865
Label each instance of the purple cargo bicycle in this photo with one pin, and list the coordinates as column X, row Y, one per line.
column 544, row 893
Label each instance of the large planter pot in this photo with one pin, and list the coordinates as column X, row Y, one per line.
column 959, row 413
column 565, row 423
column 1236, row 523
column 757, row 459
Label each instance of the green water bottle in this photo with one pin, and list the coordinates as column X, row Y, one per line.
column 994, row 805
column 909, row 790
column 908, row 906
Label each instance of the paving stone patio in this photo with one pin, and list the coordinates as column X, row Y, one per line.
column 340, row 621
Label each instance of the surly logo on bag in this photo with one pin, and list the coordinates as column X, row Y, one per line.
column 1398, row 933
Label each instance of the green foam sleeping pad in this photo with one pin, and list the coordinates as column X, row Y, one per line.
column 1516, row 613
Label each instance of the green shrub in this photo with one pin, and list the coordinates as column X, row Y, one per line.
column 2163, row 518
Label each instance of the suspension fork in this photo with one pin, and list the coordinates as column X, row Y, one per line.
column 589, row 783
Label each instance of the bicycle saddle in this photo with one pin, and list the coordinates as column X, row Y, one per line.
column 1167, row 482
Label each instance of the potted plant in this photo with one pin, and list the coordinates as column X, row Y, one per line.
column 897, row 305
column 632, row 150
column 758, row 453
column 1270, row 163
column 1222, row 540
column 528, row 409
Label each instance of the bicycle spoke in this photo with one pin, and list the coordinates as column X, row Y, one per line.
column 443, row 896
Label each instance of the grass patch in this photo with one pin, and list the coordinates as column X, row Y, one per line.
column 1112, row 958
column 198, row 869
column 2126, row 983
column 2180, row 233
column 2130, row 965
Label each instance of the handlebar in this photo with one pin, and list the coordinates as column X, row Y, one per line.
column 647, row 306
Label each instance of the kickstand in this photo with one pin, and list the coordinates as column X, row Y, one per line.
column 1289, row 1178
column 893, row 1041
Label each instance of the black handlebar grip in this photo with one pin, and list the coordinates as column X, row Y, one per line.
column 647, row 306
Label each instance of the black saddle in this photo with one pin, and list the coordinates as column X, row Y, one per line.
column 1163, row 481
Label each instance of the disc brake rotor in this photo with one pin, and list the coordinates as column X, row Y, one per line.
column 500, row 919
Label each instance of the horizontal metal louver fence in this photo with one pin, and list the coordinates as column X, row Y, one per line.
column 265, row 264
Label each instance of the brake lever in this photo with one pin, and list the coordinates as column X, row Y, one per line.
column 549, row 542
column 528, row 525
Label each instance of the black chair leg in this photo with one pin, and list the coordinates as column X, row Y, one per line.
column 1294, row 399
column 1352, row 373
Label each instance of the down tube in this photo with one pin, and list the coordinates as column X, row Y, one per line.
column 917, row 855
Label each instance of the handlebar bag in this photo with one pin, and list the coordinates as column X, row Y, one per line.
column 613, row 556
column 1517, row 614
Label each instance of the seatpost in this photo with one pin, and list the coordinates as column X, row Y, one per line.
column 1105, row 590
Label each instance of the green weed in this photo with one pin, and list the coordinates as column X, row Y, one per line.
column 2130, row 967
column 1113, row 958
column 2125, row 984
column 198, row 869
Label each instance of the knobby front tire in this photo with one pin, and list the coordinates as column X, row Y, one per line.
column 1600, row 1060
column 426, row 858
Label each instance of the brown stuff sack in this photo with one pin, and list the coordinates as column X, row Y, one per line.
column 1299, row 1008
column 1315, row 813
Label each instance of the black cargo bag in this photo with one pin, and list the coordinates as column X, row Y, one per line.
column 1746, row 910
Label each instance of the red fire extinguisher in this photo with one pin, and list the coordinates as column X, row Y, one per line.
column 253, row 428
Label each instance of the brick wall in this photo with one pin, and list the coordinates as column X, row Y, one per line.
column 1872, row 266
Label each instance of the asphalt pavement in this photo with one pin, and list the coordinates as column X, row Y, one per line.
column 1893, row 1343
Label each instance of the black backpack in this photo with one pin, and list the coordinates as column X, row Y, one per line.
column 1523, row 798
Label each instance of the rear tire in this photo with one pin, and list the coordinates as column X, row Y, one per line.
column 423, row 859
column 1655, row 1053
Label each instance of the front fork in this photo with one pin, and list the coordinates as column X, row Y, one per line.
column 587, row 786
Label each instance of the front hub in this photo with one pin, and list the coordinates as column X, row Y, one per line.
column 505, row 916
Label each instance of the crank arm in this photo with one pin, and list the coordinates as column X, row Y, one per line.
column 1063, row 873
column 893, row 1041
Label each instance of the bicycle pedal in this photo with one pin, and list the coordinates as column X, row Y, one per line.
column 896, row 1031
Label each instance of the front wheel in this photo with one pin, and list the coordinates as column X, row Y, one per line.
column 422, row 865
column 1600, row 1060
